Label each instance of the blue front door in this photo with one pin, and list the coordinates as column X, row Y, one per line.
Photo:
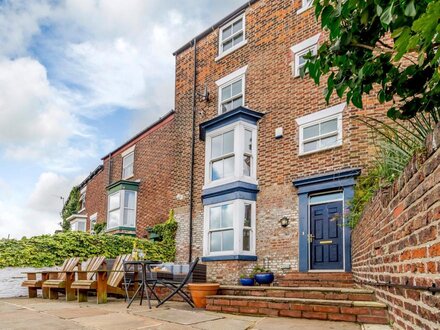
column 326, row 236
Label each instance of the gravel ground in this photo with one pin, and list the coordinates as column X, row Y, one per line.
column 10, row 281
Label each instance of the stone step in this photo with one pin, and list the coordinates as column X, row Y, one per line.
column 319, row 279
column 336, row 310
column 326, row 293
column 333, row 276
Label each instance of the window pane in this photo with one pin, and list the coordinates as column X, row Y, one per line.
column 247, row 165
column 216, row 146
column 226, row 92
column 214, row 217
column 81, row 226
column 228, row 142
column 301, row 60
column 113, row 220
column 329, row 126
column 327, row 197
column 128, row 218
column 246, row 240
column 127, row 160
column 237, row 103
column 310, row 146
column 227, row 106
column 237, row 87
column 113, row 201
column 216, row 242
column 238, row 25
column 247, row 215
column 130, row 200
column 247, row 141
column 217, row 170
column 227, row 45
column 311, row 131
column 228, row 240
column 228, row 167
column 227, row 32
column 238, row 38
column 329, row 141
column 227, row 215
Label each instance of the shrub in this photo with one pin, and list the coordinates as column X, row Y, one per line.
column 51, row 250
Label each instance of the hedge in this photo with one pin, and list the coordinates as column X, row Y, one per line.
column 51, row 250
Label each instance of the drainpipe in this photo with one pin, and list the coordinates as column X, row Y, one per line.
column 109, row 169
column 193, row 141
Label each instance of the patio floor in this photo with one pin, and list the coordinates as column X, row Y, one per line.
column 23, row 313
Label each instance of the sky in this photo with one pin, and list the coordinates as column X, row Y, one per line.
column 77, row 79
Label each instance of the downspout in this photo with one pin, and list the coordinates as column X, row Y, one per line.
column 109, row 169
column 193, row 142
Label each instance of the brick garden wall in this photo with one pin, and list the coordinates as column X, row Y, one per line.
column 398, row 241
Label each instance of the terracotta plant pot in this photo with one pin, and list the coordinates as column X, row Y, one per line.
column 199, row 292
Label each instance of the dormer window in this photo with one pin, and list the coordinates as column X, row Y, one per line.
column 232, row 36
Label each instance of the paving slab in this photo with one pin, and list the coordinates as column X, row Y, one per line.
column 5, row 307
column 375, row 327
column 73, row 313
column 230, row 324
column 278, row 323
column 117, row 321
column 180, row 316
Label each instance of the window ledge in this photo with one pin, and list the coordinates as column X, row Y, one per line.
column 121, row 230
column 230, row 50
column 239, row 257
column 303, row 9
column 128, row 177
column 320, row 150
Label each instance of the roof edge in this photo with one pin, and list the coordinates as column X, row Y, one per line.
column 215, row 26
column 145, row 130
column 92, row 174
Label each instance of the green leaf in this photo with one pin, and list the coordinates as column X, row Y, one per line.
column 379, row 10
column 387, row 15
column 357, row 99
column 410, row 9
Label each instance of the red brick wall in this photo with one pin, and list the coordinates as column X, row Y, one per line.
column 154, row 158
column 96, row 198
column 272, row 28
column 397, row 241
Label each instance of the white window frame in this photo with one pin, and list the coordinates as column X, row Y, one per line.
column 239, row 130
column 305, row 5
column 121, row 209
column 238, row 216
column 76, row 222
column 304, row 47
column 222, row 53
column 126, row 166
column 229, row 80
column 82, row 199
column 93, row 218
column 319, row 117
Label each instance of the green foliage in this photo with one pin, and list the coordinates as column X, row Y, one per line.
column 259, row 270
column 99, row 228
column 396, row 144
column 247, row 276
column 50, row 250
column 69, row 208
column 167, row 229
column 357, row 56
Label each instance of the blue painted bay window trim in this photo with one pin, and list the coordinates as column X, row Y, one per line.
column 345, row 180
column 239, row 114
column 230, row 257
column 229, row 192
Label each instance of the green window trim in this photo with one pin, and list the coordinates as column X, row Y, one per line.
column 123, row 185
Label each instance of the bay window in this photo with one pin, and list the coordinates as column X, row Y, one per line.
column 230, row 228
column 122, row 209
column 231, row 154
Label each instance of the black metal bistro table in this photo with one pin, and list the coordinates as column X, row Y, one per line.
column 145, row 282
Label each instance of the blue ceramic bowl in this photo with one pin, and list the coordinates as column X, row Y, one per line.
column 247, row 281
column 264, row 278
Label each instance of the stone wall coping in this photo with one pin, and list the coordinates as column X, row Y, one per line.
column 284, row 288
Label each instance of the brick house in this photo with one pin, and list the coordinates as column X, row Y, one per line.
column 273, row 165
column 130, row 191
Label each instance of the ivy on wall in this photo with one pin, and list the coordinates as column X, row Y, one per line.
column 51, row 250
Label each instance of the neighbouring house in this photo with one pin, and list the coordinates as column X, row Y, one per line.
column 131, row 190
column 274, row 166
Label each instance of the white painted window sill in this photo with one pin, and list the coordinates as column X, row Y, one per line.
column 230, row 50
column 319, row 150
column 303, row 9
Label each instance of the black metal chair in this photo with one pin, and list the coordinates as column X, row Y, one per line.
column 177, row 287
column 132, row 276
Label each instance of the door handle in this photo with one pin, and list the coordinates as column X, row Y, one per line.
column 310, row 238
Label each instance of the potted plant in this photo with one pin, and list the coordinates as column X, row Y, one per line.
column 247, row 280
column 263, row 276
column 199, row 292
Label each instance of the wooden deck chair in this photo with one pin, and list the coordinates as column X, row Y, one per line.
column 105, row 283
column 33, row 284
column 66, row 278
